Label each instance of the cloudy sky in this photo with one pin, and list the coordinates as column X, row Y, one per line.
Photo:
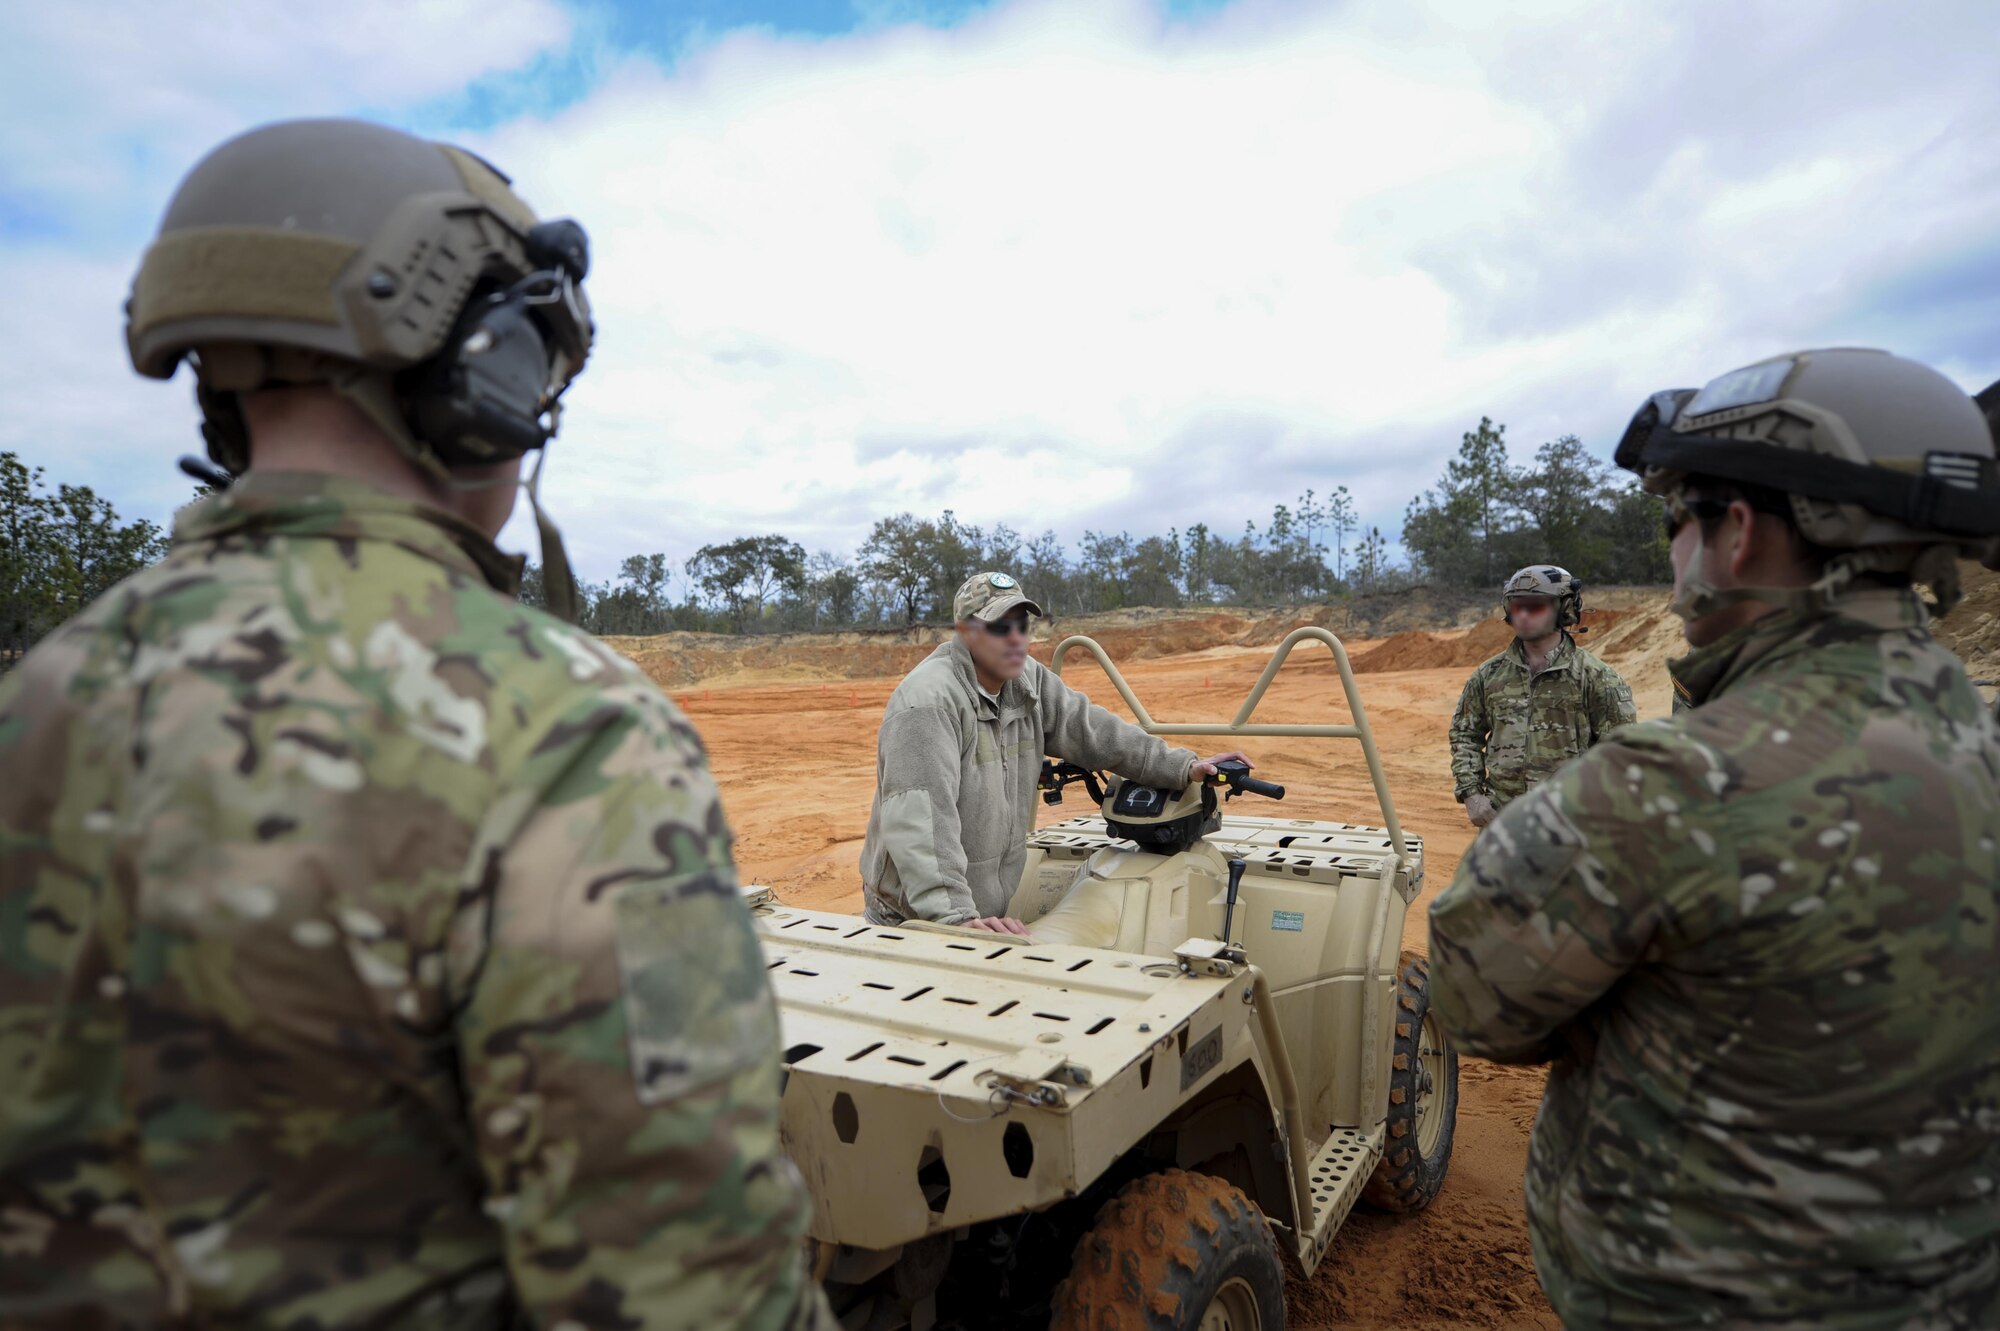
column 1059, row 263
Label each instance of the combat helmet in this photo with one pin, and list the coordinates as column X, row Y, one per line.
column 405, row 274
column 1882, row 460
column 1557, row 584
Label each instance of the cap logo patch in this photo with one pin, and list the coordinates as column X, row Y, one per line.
column 1000, row 580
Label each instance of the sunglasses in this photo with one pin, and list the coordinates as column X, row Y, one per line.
column 1675, row 512
column 1004, row 628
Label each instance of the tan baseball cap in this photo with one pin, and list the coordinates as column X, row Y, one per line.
column 987, row 596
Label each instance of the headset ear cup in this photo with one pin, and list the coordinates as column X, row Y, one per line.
column 480, row 399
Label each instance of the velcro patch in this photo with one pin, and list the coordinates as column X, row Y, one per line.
column 697, row 1003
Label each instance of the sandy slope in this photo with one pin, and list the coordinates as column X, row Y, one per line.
column 796, row 762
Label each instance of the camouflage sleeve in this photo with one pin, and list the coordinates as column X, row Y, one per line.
column 1610, row 703
column 1077, row 730
column 1565, row 892
column 1470, row 726
column 619, row 1043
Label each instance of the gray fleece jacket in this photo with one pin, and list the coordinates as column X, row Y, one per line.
column 955, row 783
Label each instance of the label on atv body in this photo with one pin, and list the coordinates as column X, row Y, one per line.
column 1202, row 1058
column 1289, row 921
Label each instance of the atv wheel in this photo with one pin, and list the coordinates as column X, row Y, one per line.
column 1174, row 1251
column 1423, row 1100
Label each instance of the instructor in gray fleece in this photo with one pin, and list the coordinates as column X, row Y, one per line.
column 958, row 759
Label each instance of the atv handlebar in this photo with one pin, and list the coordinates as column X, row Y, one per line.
column 1235, row 777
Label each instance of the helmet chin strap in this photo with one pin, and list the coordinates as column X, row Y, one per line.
column 559, row 594
column 1697, row 598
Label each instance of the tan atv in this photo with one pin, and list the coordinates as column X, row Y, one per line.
column 1209, row 1051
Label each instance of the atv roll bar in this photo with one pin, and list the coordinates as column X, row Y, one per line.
column 1241, row 725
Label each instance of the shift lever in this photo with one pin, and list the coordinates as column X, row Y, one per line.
column 1229, row 909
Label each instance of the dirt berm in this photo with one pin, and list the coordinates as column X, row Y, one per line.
column 1421, row 623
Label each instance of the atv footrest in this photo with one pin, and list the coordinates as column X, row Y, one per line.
column 1339, row 1172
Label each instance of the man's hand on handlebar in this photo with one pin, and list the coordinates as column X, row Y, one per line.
column 1206, row 767
column 1231, row 772
column 999, row 924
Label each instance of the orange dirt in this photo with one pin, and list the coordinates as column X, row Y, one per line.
column 796, row 763
column 1972, row 629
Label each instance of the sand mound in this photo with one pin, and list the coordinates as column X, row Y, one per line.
column 1640, row 640
column 1409, row 650
column 1972, row 629
column 1170, row 637
column 681, row 660
column 1417, row 650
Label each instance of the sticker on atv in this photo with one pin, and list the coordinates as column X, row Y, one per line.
column 1202, row 1058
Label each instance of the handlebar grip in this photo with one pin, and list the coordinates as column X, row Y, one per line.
column 1268, row 789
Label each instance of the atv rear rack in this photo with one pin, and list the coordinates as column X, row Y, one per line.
column 1319, row 852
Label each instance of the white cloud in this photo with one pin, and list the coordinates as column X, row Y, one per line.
column 108, row 103
column 1069, row 265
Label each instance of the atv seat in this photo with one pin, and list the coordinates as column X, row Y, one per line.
column 1093, row 913
column 1135, row 902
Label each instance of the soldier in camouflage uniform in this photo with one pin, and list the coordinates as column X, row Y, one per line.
column 1759, row 942
column 1536, row 705
column 371, row 950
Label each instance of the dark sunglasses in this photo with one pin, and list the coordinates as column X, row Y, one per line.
column 1004, row 628
column 1675, row 512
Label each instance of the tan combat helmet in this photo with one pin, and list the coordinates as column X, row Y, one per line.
column 1557, row 584
column 405, row 274
column 1884, row 461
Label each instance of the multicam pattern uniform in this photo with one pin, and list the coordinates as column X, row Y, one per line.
column 1759, row 942
column 1512, row 729
column 371, row 951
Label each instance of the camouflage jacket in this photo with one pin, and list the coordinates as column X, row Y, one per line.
column 1761, row 943
column 955, row 777
column 1512, row 729
column 371, row 952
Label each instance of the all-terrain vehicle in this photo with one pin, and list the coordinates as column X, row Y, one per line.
column 1210, row 1050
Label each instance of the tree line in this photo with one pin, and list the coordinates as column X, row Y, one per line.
column 1484, row 517
column 59, row 551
